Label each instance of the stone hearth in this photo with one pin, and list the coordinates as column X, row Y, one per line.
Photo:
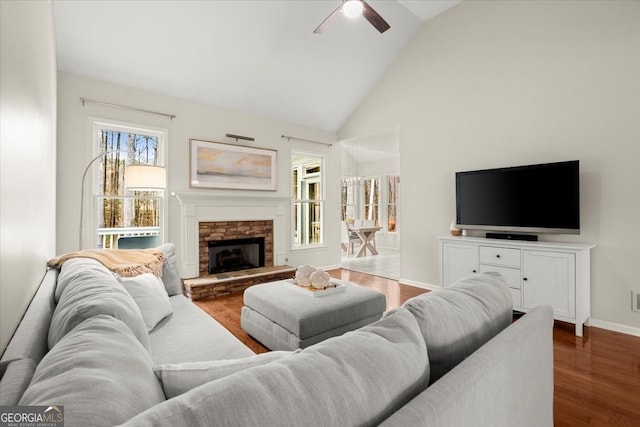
column 217, row 285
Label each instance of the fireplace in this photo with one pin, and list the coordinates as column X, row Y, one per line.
column 235, row 254
column 215, row 234
column 236, row 236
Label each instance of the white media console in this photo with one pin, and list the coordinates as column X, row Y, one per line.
column 549, row 273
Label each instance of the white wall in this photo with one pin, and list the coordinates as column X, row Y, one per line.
column 193, row 120
column 388, row 166
column 491, row 84
column 27, row 155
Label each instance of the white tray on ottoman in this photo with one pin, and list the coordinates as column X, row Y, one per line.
column 335, row 286
column 283, row 318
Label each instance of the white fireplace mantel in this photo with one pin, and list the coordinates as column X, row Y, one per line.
column 196, row 208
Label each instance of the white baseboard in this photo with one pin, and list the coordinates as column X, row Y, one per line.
column 422, row 285
column 330, row 267
column 615, row 327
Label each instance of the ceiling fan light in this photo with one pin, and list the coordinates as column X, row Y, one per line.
column 352, row 8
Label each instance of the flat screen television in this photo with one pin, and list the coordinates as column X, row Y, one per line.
column 541, row 198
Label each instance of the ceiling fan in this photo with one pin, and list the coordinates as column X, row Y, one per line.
column 353, row 9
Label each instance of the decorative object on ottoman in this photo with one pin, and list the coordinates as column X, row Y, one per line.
column 303, row 274
column 308, row 276
column 320, row 280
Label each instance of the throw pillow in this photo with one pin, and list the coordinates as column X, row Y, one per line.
column 455, row 321
column 151, row 297
column 170, row 278
column 99, row 372
column 359, row 378
column 182, row 377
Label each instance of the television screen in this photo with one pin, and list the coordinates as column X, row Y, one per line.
column 533, row 198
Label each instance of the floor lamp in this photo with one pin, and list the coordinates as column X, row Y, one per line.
column 136, row 177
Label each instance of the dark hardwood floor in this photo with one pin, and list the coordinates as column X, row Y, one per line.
column 597, row 377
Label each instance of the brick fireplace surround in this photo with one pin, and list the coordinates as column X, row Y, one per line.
column 212, row 286
column 225, row 230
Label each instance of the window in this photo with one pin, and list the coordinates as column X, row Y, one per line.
column 372, row 200
column 393, row 184
column 365, row 199
column 120, row 213
column 348, row 196
column 308, row 199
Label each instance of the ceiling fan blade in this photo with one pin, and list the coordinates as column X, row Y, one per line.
column 374, row 18
column 325, row 24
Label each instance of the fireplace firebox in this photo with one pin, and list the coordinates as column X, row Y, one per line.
column 235, row 254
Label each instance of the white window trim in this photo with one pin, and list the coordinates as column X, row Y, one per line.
column 323, row 184
column 90, row 190
column 365, row 202
column 386, row 204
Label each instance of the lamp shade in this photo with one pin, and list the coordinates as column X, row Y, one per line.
column 145, row 178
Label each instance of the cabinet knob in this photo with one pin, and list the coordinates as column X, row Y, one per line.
column 525, row 279
column 474, row 271
column 498, row 256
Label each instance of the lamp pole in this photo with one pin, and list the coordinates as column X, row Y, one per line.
column 84, row 177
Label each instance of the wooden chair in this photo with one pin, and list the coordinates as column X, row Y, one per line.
column 348, row 239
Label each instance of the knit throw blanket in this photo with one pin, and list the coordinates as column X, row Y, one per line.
column 127, row 263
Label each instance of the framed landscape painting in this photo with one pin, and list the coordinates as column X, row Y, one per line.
column 219, row 165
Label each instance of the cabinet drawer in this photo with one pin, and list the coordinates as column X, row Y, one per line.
column 507, row 257
column 511, row 275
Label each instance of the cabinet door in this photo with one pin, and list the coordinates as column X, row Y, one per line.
column 550, row 278
column 458, row 260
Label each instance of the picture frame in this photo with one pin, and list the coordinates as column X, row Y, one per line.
column 231, row 166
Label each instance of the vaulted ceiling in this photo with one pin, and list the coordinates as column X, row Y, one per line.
column 259, row 57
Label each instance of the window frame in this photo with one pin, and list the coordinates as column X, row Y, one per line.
column 318, row 177
column 388, row 204
column 365, row 203
column 348, row 188
column 92, row 211
column 356, row 186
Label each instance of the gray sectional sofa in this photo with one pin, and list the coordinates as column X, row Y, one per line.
column 136, row 352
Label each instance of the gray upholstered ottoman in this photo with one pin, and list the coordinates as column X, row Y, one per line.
column 285, row 318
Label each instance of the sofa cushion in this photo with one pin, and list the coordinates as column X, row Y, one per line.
column 89, row 293
column 78, row 271
column 99, row 372
column 14, row 379
column 191, row 335
column 457, row 320
column 359, row 378
column 507, row 382
column 150, row 295
column 182, row 377
column 170, row 277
